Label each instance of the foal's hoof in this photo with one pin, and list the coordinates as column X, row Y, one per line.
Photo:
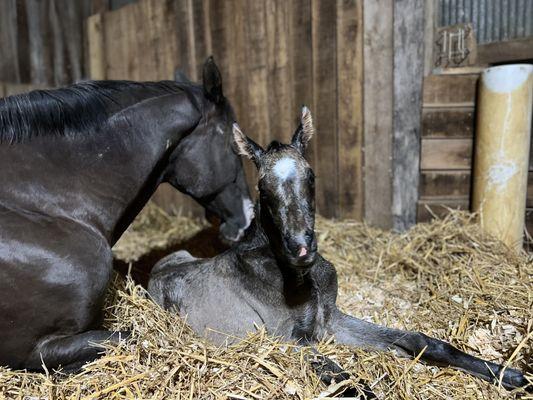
column 513, row 379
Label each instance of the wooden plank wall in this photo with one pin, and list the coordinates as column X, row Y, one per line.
column 448, row 126
column 42, row 41
column 275, row 56
column 10, row 89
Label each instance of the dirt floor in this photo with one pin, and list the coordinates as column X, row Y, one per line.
column 445, row 279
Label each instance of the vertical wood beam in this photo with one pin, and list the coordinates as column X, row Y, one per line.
column 256, row 49
column 279, row 69
column 39, row 33
column 9, row 60
column 378, row 106
column 324, row 16
column 430, row 15
column 70, row 12
column 202, row 35
column 302, row 64
column 408, row 77
column 350, row 108
column 96, row 47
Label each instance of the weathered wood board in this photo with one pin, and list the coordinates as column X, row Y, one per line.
column 408, row 75
column 506, row 51
column 450, row 90
column 324, row 105
column 455, row 183
column 448, row 122
column 446, row 154
column 378, row 103
column 350, row 107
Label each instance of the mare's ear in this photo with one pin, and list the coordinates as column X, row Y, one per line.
column 246, row 146
column 212, row 81
column 304, row 132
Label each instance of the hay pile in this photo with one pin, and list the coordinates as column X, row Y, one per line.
column 445, row 278
column 154, row 229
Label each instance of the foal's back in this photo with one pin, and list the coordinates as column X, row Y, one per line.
column 229, row 296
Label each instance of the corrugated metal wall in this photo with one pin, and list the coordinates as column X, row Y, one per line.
column 493, row 20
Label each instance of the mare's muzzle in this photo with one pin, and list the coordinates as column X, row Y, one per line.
column 231, row 233
column 235, row 209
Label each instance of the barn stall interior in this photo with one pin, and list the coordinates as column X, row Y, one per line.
column 393, row 87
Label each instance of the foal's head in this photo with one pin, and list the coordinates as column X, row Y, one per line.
column 287, row 192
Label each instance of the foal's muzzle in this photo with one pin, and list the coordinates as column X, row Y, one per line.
column 303, row 261
column 301, row 252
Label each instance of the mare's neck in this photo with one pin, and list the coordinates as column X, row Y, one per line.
column 160, row 124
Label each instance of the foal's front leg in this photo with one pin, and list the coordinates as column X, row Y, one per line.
column 355, row 332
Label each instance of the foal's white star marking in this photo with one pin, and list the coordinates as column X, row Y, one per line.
column 285, row 168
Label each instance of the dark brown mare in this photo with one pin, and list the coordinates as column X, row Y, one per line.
column 77, row 165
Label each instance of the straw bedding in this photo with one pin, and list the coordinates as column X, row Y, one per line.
column 445, row 278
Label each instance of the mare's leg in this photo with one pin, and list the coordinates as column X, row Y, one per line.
column 72, row 352
column 53, row 280
column 352, row 331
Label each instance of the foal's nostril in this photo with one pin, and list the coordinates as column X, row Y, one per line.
column 301, row 246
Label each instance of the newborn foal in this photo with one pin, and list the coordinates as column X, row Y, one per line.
column 276, row 278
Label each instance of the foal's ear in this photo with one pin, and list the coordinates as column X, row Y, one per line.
column 304, row 132
column 212, row 81
column 246, row 146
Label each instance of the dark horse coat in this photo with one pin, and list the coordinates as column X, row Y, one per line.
column 276, row 278
column 77, row 165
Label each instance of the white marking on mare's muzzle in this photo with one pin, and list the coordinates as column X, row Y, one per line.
column 248, row 211
column 285, row 168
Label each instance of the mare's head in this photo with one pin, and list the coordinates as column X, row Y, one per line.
column 206, row 166
column 287, row 193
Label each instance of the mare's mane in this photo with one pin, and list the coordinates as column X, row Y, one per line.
column 79, row 108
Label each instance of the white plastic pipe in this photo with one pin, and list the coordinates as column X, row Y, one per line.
column 503, row 134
